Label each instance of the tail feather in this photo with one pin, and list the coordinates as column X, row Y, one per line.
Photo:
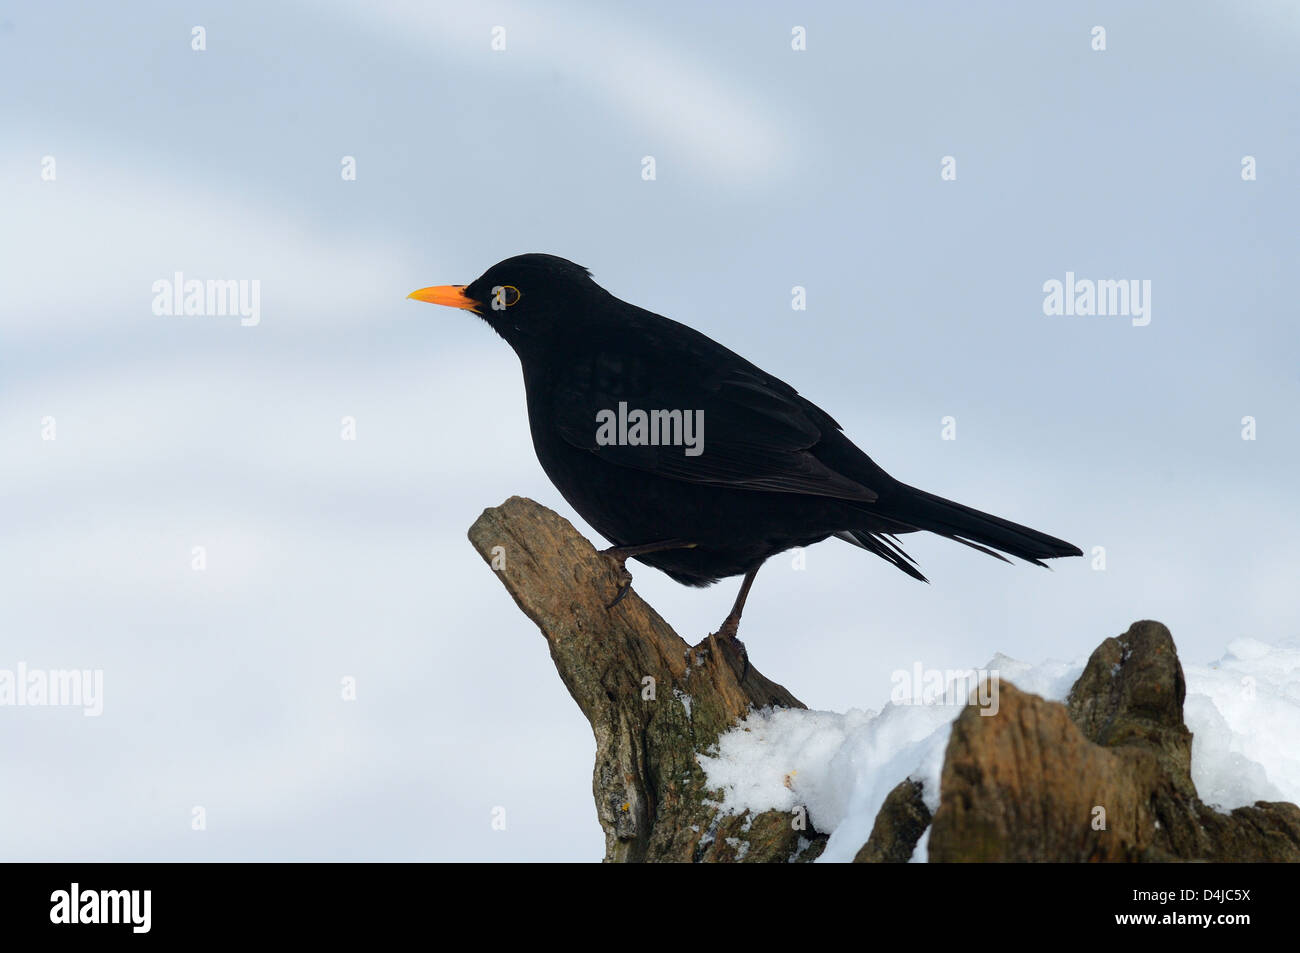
column 915, row 510
column 887, row 549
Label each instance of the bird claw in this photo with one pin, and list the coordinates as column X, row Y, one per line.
column 621, row 554
column 727, row 631
column 623, row 589
column 624, row 577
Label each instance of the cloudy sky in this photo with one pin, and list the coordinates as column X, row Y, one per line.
column 127, row 156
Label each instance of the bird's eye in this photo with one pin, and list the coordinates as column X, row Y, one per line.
column 503, row 296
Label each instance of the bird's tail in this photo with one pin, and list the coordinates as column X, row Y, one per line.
column 908, row 510
column 918, row 510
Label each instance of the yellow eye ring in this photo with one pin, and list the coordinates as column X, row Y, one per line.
column 502, row 294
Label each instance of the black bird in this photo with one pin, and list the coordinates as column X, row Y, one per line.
column 743, row 467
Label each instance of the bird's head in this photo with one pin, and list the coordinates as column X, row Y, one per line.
column 524, row 298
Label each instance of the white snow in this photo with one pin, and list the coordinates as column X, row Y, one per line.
column 685, row 699
column 1244, row 712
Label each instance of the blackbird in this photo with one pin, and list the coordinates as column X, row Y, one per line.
column 686, row 456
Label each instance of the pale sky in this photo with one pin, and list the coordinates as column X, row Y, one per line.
column 330, row 559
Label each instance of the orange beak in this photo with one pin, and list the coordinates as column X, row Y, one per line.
column 453, row 296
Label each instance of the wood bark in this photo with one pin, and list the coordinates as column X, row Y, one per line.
column 654, row 701
column 1106, row 776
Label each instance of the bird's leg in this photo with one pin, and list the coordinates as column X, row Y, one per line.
column 731, row 624
column 621, row 554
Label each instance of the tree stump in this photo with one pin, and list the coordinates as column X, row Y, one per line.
column 1106, row 776
column 653, row 700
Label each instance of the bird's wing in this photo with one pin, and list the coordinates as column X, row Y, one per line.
column 757, row 433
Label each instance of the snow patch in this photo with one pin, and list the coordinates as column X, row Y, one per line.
column 1244, row 712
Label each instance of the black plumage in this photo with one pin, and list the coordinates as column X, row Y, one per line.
column 774, row 471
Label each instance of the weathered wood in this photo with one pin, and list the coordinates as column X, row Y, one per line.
column 1105, row 777
column 654, row 701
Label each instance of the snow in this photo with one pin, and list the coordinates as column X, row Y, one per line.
column 1243, row 710
column 685, row 699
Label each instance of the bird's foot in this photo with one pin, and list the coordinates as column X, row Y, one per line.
column 621, row 554
column 725, row 644
column 624, row 583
